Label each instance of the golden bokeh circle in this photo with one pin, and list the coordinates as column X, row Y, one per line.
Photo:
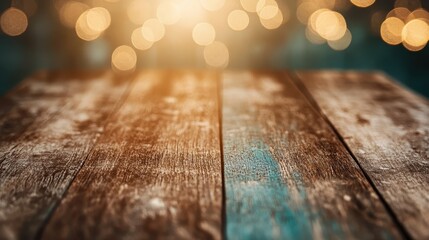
column 13, row 22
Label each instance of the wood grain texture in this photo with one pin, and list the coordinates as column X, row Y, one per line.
column 156, row 171
column 30, row 104
column 48, row 125
column 387, row 129
column 287, row 176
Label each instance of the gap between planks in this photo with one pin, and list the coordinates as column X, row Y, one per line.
column 219, row 85
column 219, row 99
column 279, row 148
column 117, row 105
column 300, row 86
column 171, row 187
column 54, row 114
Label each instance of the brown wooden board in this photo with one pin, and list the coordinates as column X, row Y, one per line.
column 287, row 175
column 156, row 171
column 48, row 125
column 35, row 100
column 387, row 129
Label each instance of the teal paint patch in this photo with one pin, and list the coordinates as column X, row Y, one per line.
column 258, row 204
column 263, row 200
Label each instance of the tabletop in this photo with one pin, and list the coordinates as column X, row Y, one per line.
column 199, row 154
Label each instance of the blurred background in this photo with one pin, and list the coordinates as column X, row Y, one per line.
column 125, row 35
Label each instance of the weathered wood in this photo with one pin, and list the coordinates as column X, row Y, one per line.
column 27, row 106
column 156, row 171
column 47, row 127
column 387, row 129
column 287, row 175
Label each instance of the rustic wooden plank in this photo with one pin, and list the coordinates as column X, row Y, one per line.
column 387, row 129
column 156, row 171
column 287, row 175
column 46, row 134
column 32, row 102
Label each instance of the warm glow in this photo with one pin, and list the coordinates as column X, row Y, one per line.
column 249, row 5
column 419, row 13
column 212, row 5
column 305, row 10
column 70, row 12
column 13, row 22
column 314, row 37
column 415, row 34
column 330, row 25
column 238, row 20
column 274, row 22
column 153, row 30
column 267, row 9
column 401, row 13
column 313, row 18
column 362, row 3
column 145, row 22
column 412, row 48
column 168, row 12
column 98, row 19
column 203, row 34
column 83, row 31
column 391, row 30
column 139, row 41
column 139, row 11
column 342, row 43
column 216, row 54
column 124, row 58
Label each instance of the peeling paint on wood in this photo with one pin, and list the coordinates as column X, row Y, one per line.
column 287, row 176
column 387, row 129
column 90, row 156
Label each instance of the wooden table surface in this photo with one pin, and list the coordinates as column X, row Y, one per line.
column 212, row 155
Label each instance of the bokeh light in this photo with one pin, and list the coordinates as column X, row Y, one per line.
column 314, row 37
column 415, row 34
column 153, row 30
column 13, row 22
column 216, row 54
column 139, row 41
column 391, row 30
column 98, row 19
column 267, row 9
column 83, row 30
column 238, row 20
column 400, row 12
column 342, row 43
column 419, row 13
column 249, row 5
column 124, row 58
column 70, row 12
column 274, row 22
column 330, row 25
column 407, row 27
column 362, row 3
column 195, row 25
column 203, row 34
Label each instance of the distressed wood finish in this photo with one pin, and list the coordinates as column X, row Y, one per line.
column 287, row 176
column 156, row 171
column 387, row 129
column 47, row 127
column 29, row 105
